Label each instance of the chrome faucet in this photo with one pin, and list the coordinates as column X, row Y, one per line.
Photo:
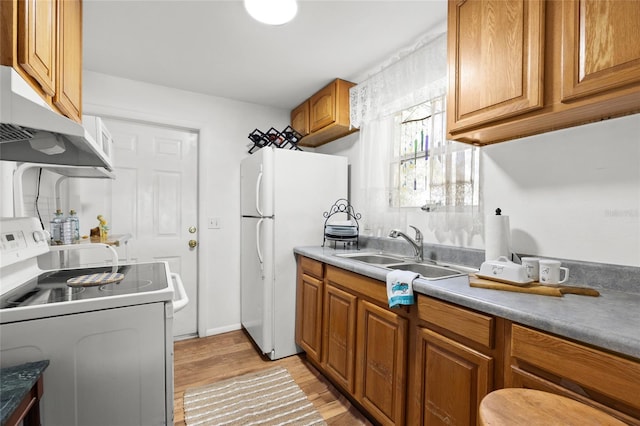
column 416, row 244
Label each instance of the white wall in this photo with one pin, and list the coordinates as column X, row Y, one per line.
column 223, row 126
column 572, row 193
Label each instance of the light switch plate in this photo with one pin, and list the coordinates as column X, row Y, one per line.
column 214, row 223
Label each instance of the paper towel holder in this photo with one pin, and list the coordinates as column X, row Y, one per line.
column 513, row 256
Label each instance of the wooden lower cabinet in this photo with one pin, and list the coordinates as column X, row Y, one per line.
column 339, row 336
column 456, row 355
column 365, row 345
column 309, row 327
column 381, row 367
column 451, row 379
column 592, row 376
column 433, row 362
column 309, row 297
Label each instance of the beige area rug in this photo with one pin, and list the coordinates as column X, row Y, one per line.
column 268, row 397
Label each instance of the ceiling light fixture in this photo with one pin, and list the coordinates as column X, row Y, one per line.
column 272, row 12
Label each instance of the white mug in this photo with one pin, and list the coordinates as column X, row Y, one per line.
column 550, row 272
column 533, row 267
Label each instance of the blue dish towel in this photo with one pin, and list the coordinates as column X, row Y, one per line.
column 400, row 287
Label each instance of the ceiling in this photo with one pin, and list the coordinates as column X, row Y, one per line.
column 214, row 47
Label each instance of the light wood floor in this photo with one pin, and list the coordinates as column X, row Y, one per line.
column 202, row 361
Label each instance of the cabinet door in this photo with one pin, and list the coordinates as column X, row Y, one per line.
column 37, row 41
column 496, row 63
column 339, row 336
column 451, row 379
column 381, row 370
column 68, row 95
column 300, row 118
column 600, row 46
column 309, row 322
column 322, row 108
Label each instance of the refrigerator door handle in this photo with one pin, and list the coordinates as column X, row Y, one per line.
column 258, row 182
column 260, row 259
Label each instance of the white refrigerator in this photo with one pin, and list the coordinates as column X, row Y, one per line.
column 284, row 194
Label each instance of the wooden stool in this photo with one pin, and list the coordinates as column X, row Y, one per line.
column 515, row 406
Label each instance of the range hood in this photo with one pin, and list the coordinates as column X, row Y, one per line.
column 30, row 131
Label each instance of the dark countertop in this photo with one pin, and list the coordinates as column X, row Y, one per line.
column 15, row 383
column 610, row 321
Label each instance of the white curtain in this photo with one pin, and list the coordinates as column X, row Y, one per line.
column 416, row 77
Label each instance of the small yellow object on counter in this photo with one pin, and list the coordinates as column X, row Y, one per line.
column 103, row 229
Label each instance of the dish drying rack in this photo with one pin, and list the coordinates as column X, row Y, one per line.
column 338, row 231
column 287, row 138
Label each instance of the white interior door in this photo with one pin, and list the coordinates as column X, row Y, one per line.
column 153, row 198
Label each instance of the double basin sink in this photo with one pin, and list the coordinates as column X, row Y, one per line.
column 426, row 269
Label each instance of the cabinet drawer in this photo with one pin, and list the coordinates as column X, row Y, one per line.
column 463, row 322
column 374, row 289
column 611, row 375
column 311, row 267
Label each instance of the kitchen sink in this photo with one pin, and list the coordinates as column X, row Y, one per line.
column 428, row 271
column 373, row 258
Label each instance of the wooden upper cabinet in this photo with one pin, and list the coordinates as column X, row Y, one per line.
column 37, row 33
column 523, row 67
column 322, row 108
column 601, row 46
column 42, row 41
column 325, row 115
column 68, row 96
column 300, row 118
column 495, row 60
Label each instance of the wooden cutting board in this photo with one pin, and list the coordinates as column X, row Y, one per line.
column 532, row 288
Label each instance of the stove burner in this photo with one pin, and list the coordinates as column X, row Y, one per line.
column 117, row 288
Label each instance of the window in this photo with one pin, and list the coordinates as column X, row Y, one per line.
column 426, row 169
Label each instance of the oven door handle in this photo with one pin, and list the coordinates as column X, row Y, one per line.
column 183, row 299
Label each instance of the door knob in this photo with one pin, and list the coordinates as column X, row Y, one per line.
column 192, row 229
column 193, row 243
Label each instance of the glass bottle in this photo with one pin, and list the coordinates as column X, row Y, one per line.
column 67, row 231
column 56, row 227
column 75, row 225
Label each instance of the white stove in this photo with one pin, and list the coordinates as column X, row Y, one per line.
column 110, row 346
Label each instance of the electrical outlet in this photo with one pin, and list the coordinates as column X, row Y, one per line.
column 214, row 223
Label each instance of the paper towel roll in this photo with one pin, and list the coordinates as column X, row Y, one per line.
column 497, row 237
